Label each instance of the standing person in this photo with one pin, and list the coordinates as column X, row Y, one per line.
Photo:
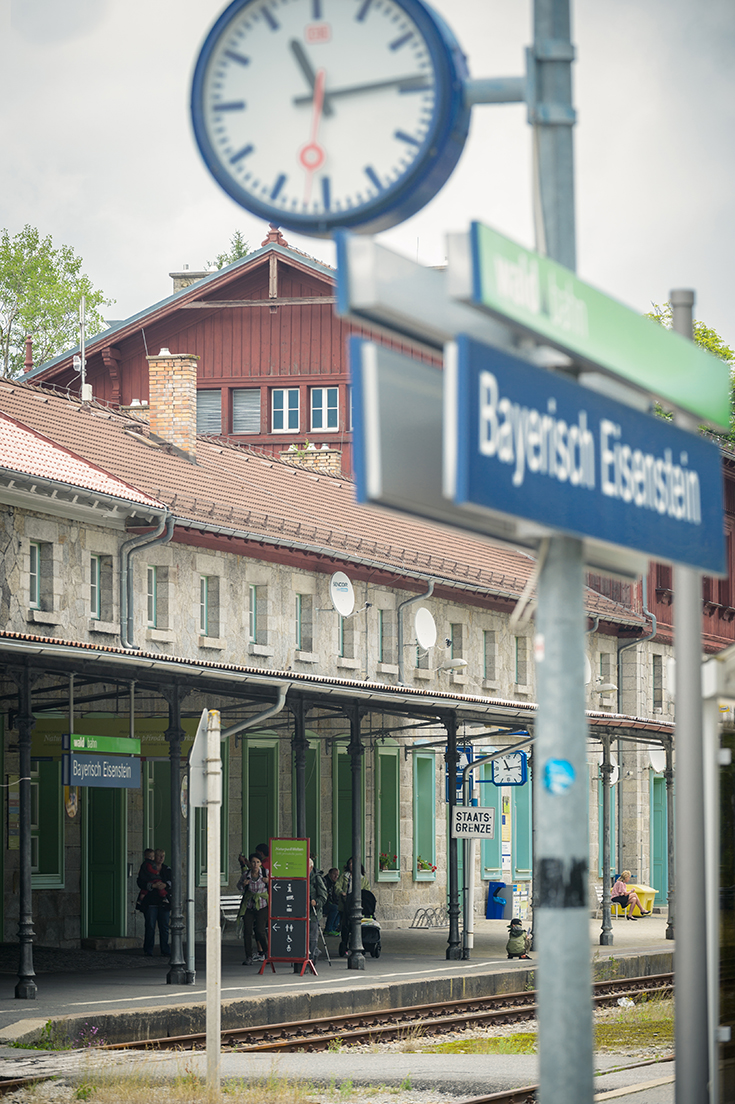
column 317, row 899
column 254, row 908
column 621, row 895
column 343, row 892
column 331, row 908
column 154, row 879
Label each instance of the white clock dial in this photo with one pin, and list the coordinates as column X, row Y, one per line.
column 508, row 770
column 316, row 109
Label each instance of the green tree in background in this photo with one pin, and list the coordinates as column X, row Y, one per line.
column 40, row 290
column 238, row 248
column 710, row 340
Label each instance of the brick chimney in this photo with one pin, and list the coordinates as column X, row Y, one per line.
column 172, row 397
column 186, row 276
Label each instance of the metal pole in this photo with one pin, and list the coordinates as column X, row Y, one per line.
column 606, row 770
column 299, row 755
column 670, row 849
column 356, row 953
column 561, row 925
column 26, row 987
column 711, row 746
column 692, row 1045
column 214, row 934
column 174, row 734
column 190, row 890
column 454, row 948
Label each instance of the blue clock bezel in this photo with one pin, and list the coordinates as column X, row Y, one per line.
column 524, row 770
column 429, row 171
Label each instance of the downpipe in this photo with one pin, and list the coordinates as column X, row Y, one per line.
column 162, row 534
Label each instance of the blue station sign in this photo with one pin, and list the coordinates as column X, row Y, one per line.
column 526, row 442
column 111, row 772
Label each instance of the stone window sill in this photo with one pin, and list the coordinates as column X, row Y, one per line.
column 306, row 657
column 460, row 679
column 260, row 649
column 490, row 684
column 163, row 636
column 108, row 627
column 217, row 643
column 387, row 668
column 351, row 664
column 423, row 673
column 43, row 617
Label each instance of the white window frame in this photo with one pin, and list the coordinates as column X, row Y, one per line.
column 34, row 575
column 95, row 587
column 152, row 596
column 252, row 613
column 204, row 605
column 323, row 411
column 286, row 410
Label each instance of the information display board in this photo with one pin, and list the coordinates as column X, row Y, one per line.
column 101, row 771
column 288, row 904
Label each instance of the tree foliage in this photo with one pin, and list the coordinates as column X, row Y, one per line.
column 239, row 248
column 710, row 340
column 40, row 291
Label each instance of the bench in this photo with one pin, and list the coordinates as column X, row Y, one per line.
column 615, row 910
column 229, row 906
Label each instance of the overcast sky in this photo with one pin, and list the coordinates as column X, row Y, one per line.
column 97, row 148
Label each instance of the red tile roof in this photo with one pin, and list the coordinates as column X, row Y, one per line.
column 26, row 451
column 239, row 492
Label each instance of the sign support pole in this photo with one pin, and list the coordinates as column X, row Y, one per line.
column 214, row 933
column 561, row 924
column 692, row 1045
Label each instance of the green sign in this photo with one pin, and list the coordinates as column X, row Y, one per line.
column 547, row 300
column 289, row 858
column 107, row 744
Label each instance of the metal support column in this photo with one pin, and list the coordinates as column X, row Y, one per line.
column 670, row 852
column 174, row 734
column 26, row 987
column 299, row 758
column 691, row 1032
column 606, row 770
column 454, row 946
column 356, row 953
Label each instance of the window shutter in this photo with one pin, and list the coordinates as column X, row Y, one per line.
column 209, row 411
column 246, row 410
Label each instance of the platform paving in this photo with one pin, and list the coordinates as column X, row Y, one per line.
column 126, row 995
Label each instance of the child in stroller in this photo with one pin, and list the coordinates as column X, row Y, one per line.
column 370, row 927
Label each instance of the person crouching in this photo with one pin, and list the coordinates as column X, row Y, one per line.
column 518, row 941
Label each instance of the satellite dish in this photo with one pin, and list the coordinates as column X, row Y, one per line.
column 425, row 626
column 587, row 671
column 341, row 594
column 657, row 759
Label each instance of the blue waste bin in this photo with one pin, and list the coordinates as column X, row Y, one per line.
column 495, row 904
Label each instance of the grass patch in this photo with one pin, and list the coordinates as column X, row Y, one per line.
column 522, row 1043
column 648, row 1023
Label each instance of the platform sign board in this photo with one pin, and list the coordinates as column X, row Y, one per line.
column 288, row 903
column 398, row 460
column 111, row 745
column 527, row 442
column 547, row 301
column 101, row 771
column 473, row 823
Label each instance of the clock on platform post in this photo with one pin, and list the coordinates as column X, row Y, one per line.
column 510, row 769
column 325, row 114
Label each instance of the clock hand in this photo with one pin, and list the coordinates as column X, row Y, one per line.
column 312, row 154
column 307, row 69
column 405, row 84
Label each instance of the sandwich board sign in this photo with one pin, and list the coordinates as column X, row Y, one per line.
column 288, row 904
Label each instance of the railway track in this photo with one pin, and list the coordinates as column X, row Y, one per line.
column 385, row 1025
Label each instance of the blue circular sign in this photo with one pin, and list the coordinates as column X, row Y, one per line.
column 559, row 775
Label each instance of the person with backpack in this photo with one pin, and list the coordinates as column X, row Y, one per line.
column 519, row 940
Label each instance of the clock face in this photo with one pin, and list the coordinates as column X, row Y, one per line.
column 510, row 770
column 318, row 114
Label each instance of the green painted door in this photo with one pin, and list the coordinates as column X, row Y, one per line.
column 659, row 834
column 261, row 821
column 105, row 854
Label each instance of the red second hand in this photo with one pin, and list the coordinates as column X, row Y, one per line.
column 312, row 155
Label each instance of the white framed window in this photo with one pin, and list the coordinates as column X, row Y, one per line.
column 381, row 636
column 204, row 605
column 209, row 411
column 324, row 408
column 658, row 682
column 303, row 624
column 34, row 576
column 246, row 410
column 95, row 584
column 257, row 614
column 285, row 409
column 152, row 597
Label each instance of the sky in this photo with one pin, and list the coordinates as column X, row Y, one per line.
column 98, row 150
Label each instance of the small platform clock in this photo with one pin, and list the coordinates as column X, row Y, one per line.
column 511, row 769
column 326, row 114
